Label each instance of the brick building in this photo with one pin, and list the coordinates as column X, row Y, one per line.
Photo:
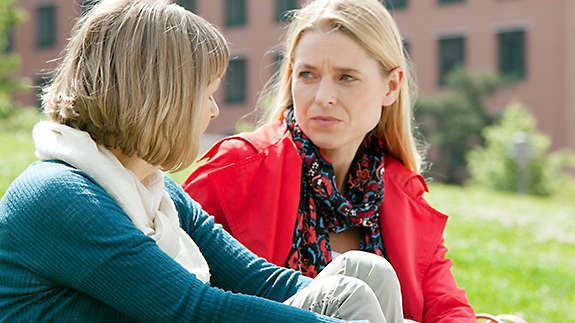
column 532, row 41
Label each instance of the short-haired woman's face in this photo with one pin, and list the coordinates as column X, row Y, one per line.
column 210, row 109
column 338, row 91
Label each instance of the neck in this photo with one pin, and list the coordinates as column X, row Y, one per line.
column 136, row 165
column 341, row 160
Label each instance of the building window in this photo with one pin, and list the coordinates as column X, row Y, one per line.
column 9, row 41
column 406, row 46
column 188, row 4
column 284, row 10
column 235, row 12
column 512, row 54
column 451, row 54
column 39, row 83
column 395, row 4
column 278, row 60
column 236, row 79
column 450, row 1
column 86, row 5
column 45, row 26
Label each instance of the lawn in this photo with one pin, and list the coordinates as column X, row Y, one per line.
column 512, row 253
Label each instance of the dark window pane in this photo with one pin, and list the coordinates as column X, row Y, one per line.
column 45, row 26
column 512, row 54
column 188, row 4
column 451, row 54
column 9, row 41
column 395, row 4
column 406, row 46
column 235, row 12
column 450, row 1
column 39, row 83
column 278, row 58
column 284, row 9
column 86, row 5
column 236, row 78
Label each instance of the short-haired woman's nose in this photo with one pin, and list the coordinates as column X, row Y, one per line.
column 215, row 111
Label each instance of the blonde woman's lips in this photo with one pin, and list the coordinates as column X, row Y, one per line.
column 325, row 121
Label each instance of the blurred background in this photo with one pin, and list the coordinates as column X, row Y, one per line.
column 495, row 115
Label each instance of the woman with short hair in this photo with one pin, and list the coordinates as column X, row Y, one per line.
column 95, row 232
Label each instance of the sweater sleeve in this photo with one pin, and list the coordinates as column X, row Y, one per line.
column 71, row 232
column 233, row 267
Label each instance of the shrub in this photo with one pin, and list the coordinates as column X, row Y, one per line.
column 452, row 121
column 501, row 165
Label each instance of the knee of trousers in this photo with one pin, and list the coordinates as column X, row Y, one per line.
column 365, row 262
column 355, row 290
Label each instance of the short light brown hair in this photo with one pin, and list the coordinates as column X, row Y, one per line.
column 369, row 24
column 134, row 75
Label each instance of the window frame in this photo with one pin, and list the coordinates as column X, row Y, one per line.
column 395, row 4
column 512, row 67
column 46, row 31
column 232, row 18
column 443, row 69
column 235, row 91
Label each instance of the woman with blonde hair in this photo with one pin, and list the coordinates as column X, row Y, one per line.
column 95, row 232
column 336, row 167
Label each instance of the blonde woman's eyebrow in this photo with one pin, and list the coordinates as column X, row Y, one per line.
column 341, row 70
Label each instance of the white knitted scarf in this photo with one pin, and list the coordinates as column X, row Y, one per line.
column 147, row 204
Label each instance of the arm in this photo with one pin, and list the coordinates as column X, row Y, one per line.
column 444, row 302
column 73, row 234
column 233, row 267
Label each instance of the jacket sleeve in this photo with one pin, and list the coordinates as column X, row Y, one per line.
column 198, row 184
column 443, row 301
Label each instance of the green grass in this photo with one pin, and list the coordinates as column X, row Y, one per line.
column 16, row 147
column 512, row 253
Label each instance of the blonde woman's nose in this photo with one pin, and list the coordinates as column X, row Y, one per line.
column 326, row 95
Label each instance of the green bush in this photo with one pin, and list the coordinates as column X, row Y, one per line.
column 452, row 121
column 500, row 165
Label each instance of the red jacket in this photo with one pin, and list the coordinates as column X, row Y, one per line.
column 251, row 185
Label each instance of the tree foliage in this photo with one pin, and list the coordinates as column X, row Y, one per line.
column 452, row 122
column 502, row 165
column 10, row 16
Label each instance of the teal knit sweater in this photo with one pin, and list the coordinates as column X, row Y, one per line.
column 69, row 253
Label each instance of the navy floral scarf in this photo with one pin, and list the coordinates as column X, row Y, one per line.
column 323, row 209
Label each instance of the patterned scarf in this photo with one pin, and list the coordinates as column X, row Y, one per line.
column 323, row 209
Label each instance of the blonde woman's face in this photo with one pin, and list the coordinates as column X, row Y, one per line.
column 210, row 109
column 338, row 91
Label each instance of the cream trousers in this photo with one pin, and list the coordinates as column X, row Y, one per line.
column 355, row 286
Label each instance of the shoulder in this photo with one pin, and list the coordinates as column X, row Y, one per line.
column 48, row 181
column 53, row 194
column 407, row 180
column 241, row 149
column 247, row 144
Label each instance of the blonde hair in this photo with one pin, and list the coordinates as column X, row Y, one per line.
column 373, row 28
column 134, row 75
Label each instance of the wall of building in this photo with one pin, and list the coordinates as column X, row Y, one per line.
column 547, row 89
column 569, row 90
column 542, row 90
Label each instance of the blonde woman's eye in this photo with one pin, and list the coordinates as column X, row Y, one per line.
column 347, row 78
column 305, row 74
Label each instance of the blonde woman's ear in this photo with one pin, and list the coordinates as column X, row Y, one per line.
column 394, row 81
